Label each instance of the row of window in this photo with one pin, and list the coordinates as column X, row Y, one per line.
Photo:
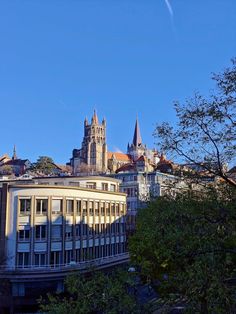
column 80, row 207
column 40, row 231
column 131, row 192
column 84, row 254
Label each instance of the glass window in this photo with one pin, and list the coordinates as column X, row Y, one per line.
column 24, row 234
column 96, row 229
column 23, row 259
column 25, row 205
column 91, row 231
column 68, row 256
column 96, row 208
column 55, row 258
column 85, row 208
column 41, row 206
column 122, row 209
column 105, row 186
column 108, row 209
column 69, row 206
column 68, row 234
column 39, row 259
column 91, row 185
column 91, row 208
column 40, row 232
column 117, row 210
column 102, row 208
column 78, row 230
column 78, row 207
column 113, row 187
column 56, row 206
column 102, row 228
column 113, row 209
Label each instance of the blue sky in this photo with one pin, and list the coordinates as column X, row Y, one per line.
column 60, row 59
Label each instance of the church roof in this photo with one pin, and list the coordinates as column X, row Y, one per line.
column 137, row 140
column 119, row 156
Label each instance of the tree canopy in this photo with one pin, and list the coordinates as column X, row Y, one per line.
column 205, row 134
column 186, row 246
column 44, row 164
column 97, row 293
column 186, row 243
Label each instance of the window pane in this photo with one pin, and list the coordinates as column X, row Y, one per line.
column 69, row 206
column 56, row 206
column 44, row 206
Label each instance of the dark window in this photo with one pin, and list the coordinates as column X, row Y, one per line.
column 69, row 206
column 41, row 206
column 78, row 205
column 40, row 232
column 25, row 205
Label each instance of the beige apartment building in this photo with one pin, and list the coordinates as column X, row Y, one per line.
column 50, row 226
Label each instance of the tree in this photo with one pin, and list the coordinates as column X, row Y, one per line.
column 44, row 164
column 187, row 247
column 186, row 244
column 96, row 293
column 6, row 169
column 206, row 128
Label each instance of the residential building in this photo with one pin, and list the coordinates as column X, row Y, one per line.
column 54, row 225
column 14, row 165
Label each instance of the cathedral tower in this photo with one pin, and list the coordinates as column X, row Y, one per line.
column 136, row 149
column 92, row 157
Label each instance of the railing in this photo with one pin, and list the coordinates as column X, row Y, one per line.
column 68, row 266
column 93, row 187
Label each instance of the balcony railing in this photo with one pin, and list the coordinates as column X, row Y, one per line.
column 99, row 262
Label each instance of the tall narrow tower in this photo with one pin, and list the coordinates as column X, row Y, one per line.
column 14, row 156
column 93, row 153
column 136, row 149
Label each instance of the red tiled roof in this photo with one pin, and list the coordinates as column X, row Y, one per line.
column 119, row 156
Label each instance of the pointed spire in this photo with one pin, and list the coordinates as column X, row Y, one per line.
column 95, row 117
column 14, row 157
column 85, row 121
column 137, row 140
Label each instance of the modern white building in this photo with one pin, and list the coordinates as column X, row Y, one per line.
column 51, row 226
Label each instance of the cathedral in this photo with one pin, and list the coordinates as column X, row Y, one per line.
column 94, row 158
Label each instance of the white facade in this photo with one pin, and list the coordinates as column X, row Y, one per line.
column 50, row 224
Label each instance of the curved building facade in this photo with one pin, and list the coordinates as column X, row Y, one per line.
column 52, row 226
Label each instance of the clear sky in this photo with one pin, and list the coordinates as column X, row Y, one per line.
column 60, row 59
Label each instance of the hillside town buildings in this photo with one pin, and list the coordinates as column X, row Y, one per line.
column 78, row 215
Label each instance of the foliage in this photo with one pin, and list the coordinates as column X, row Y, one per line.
column 206, row 129
column 44, row 165
column 98, row 293
column 186, row 246
column 6, row 169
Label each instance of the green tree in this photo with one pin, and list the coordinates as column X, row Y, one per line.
column 96, row 293
column 6, row 169
column 187, row 247
column 205, row 134
column 44, row 164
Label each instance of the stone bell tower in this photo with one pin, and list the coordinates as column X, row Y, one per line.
column 93, row 153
